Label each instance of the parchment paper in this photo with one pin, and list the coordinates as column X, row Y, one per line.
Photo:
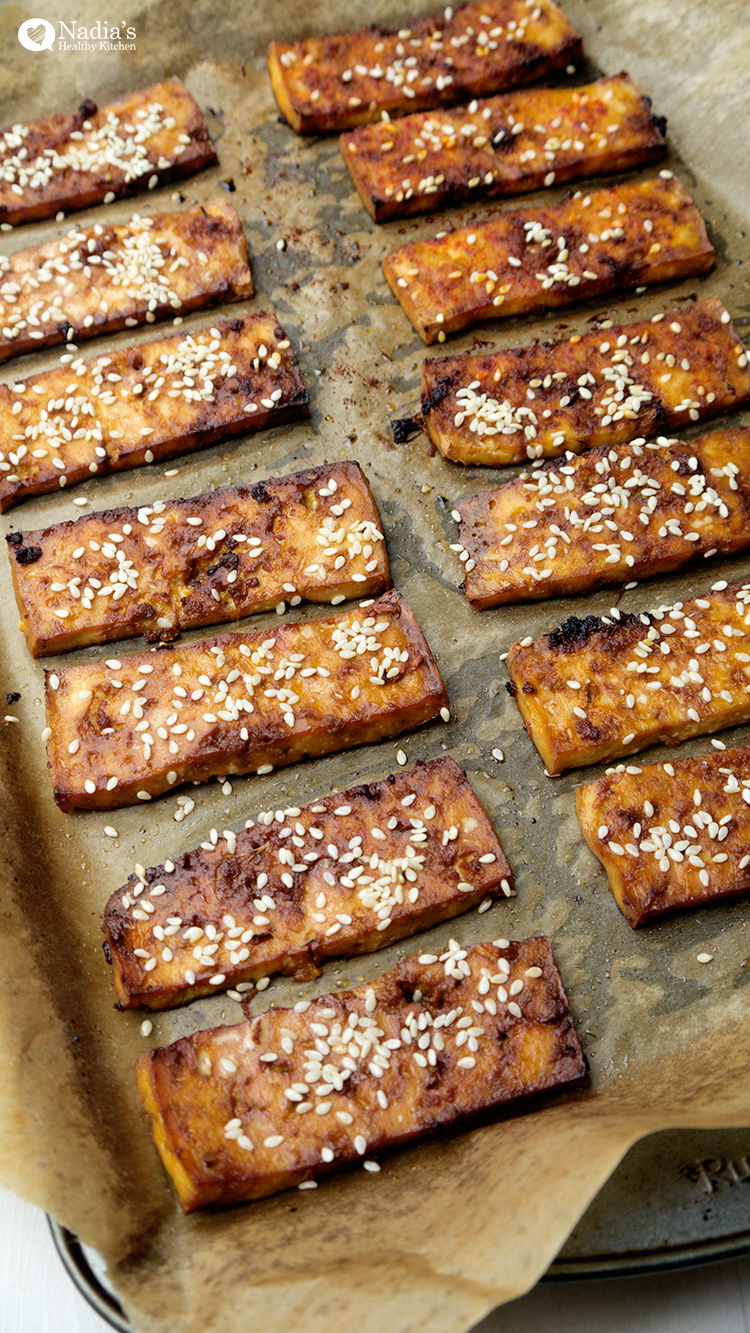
column 450, row 1229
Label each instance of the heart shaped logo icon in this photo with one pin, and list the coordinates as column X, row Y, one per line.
column 36, row 35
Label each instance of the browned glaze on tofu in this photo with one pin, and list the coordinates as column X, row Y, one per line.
column 604, row 387
column 529, row 260
column 182, row 564
column 347, row 79
column 100, row 278
column 611, row 515
column 671, row 835
column 348, row 874
column 238, row 703
column 504, row 145
column 97, row 154
column 144, row 404
column 604, row 687
column 241, row 1112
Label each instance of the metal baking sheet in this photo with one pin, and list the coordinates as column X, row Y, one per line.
column 677, row 1200
column 651, row 1018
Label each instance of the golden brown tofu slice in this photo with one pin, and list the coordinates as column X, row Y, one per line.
column 599, row 388
column 101, row 278
column 242, row 1112
column 182, row 564
column 239, row 703
column 671, row 835
column 528, row 260
column 608, row 686
column 610, row 515
column 143, row 404
column 504, row 145
column 336, row 82
column 97, row 154
column 349, row 874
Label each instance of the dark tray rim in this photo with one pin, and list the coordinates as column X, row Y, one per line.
column 632, row 1263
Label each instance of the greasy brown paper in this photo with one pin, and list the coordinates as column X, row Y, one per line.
column 447, row 1230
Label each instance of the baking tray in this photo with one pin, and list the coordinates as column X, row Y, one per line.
column 676, row 1200
column 360, row 360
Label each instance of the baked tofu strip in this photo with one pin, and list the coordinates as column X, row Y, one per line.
column 242, row 1112
column 143, row 404
column 182, row 564
column 122, row 732
column 671, row 835
column 97, row 154
column 608, row 686
column 599, row 388
column 507, row 145
column 611, row 515
column 336, row 82
column 347, row 875
column 529, row 260
column 102, row 278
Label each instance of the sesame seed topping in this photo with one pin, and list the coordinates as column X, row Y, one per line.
column 69, row 429
column 687, row 653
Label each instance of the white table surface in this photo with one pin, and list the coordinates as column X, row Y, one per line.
column 37, row 1296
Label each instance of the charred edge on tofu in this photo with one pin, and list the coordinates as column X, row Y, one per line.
column 405, row 428
column 24, row 555
column 441, row 390
column 574, row 633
